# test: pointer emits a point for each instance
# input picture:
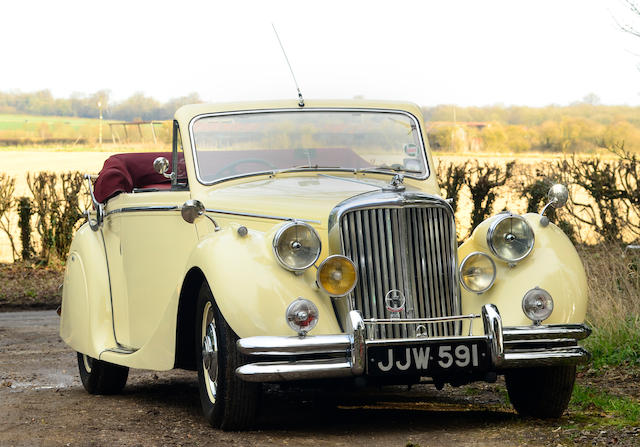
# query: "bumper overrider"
(351, 354)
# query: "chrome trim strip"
(299, 370)
(279, 346)
(431, 320)
(306, 109)
(136, 209)
(546, 357)
(422, 341)
(260, 216)
(544, 332)
(113, 316)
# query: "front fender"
(553, 265)
(85, 320)
(251, 289)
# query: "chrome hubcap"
(209, 352)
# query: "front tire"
(542, 392)
(99, 377)
(227, 401)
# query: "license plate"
(428, 358)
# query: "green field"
(20, 131)
(31, 122)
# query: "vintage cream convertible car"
(282, 241)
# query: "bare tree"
(631, 26)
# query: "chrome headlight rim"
(278, 235)
(492, 230)
(328, 259)
(463, 263)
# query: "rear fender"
(85, 321)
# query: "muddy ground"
(42, 402)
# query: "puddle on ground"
(48, 382)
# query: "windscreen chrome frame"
(425, 176)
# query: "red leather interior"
(124, 172)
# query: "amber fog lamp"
(510, 238)
(537, 305)
(296, 246)
(302, 316)
(337, 275)
(477, 272)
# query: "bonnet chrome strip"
(260, 216)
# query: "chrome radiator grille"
(411, 250)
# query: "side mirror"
(558, 195)
(191, 209)
(161, 166)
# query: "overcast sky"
(529, 52)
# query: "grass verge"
(596, 405)
(25, 286)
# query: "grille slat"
(408, 249)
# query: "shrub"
(24, 223)
(7, 187)
(482, 181)
(57, 210)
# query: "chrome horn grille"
(409, 252)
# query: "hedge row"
(604, 203)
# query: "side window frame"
(176, 146)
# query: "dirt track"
(43, 403)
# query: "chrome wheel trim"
(86, 360)
(209, 352)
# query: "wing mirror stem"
(557, 197)
(161, 166)
(192, 209)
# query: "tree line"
(137, 106)
(585, 126)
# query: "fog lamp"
(302, 316)
(477, 272)
(537, 305)
(337, 275)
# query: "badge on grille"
(394, 300)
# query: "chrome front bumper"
(344, 355)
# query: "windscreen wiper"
(385, 170)
(305, 167)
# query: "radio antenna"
(300, 98)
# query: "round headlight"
(296, 246)
(477, 272)
(510, 238)
(337, 275)
(302, 315)
(537, 304)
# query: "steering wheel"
(231, 167)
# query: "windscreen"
(242, 144)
